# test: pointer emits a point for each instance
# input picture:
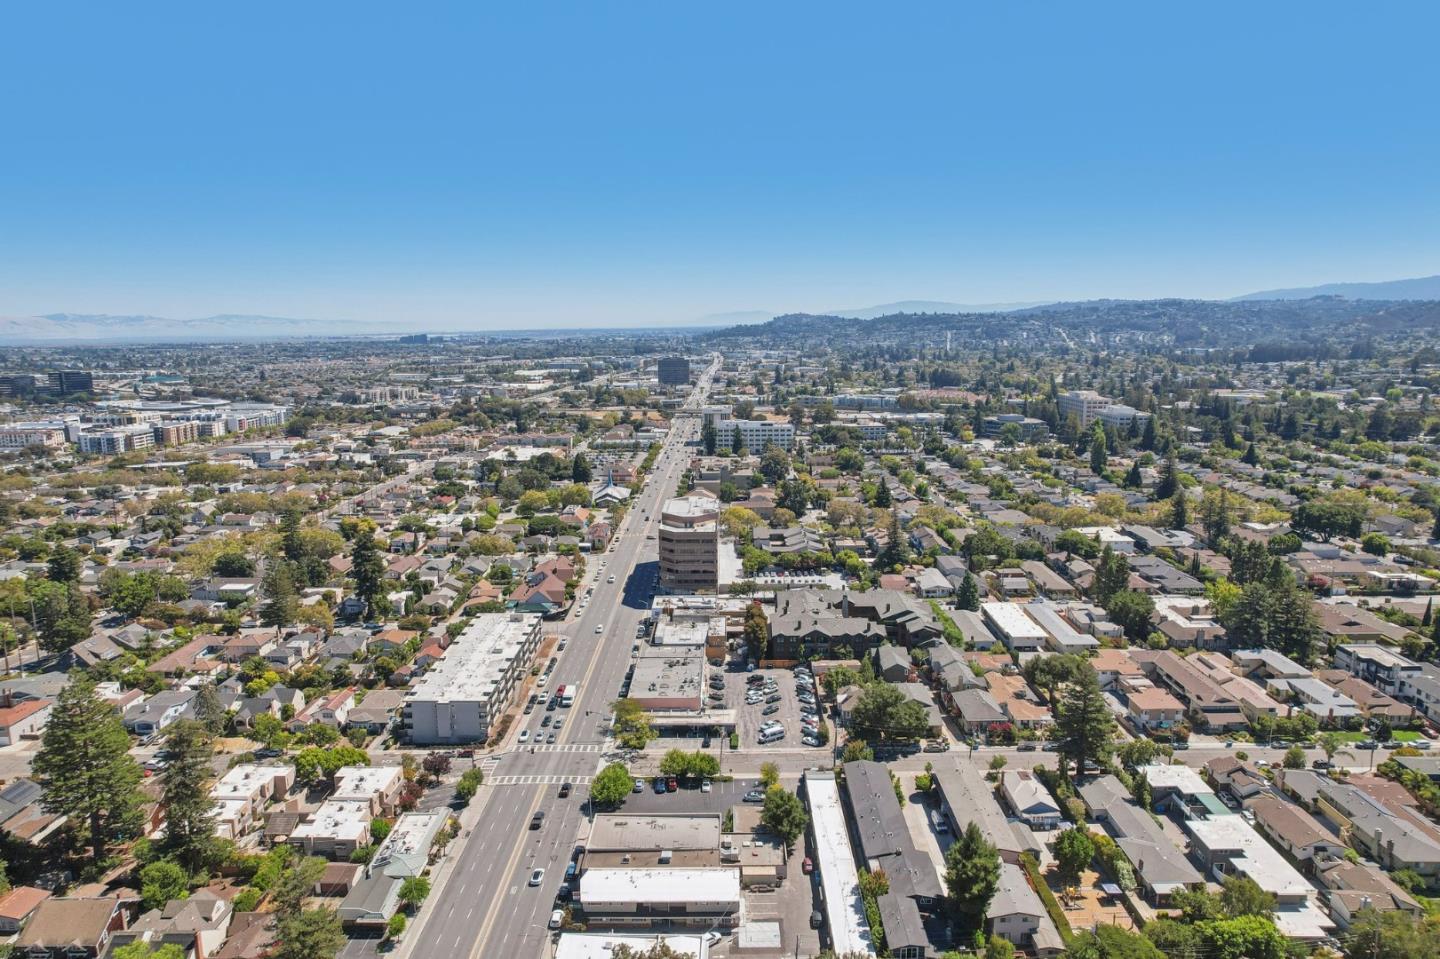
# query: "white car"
(537, 877)
(524, 736)
(599, 630)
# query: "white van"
(771, 735)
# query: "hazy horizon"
(652, 165)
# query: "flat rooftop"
(476, 662)
(619, 832)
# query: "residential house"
(64, 928)
(1029, 800)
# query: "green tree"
(1242, 896)
(1333, 744)
(1392, 934)
(1274, 614)
(1106, 941)
(784, 814)
(1112, 575)
(282, 600)
(61, 614)
(757, 632)
(396, 926)
(611, 786)
(972, 872)
(631, 725)
(208, 710)
(309, 934)
(162, 881)
(995, 947)
(1179, 510)
(769, 775)
(1294, 758)
(296, 883)
(968, 595)
(883, 712)
(468, 784)
(189, 810)
(1073, 851)
(1244, 937)
(1132, 612)
(64, 565)
(414, 890)
(1099, 457)
(1083, 721)
(580, 471)
(85, 766)
(367, 568)
(1049, 673)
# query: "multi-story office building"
(1031, 429)
(689, 541)
(1084, 405)
(63, 382)
(755, 435)
(474, 682)
(673, 371)
(1120, 416)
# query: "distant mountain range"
(1421, 288)
(931, 306)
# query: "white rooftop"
(577, 945)
(652, 886)
(1180, 777)
(835, 862)
(1258, 859)
(475, 663)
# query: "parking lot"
(752, 717)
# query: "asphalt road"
(484, 905)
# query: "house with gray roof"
(884, 842)
(1160, 866)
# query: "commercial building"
(673, 371)
(669, 679)
(471, 686)
(1031, 429)
(65, 382)
(689, 542)
(175, 432)
(701, 898)
(839, 882)
(755, 435)
(1084, 405)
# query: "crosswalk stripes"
(565, 748)
(539, 780)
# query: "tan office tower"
(689, 542)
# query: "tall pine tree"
(189, 809)
(367, 567)
(85, 766)
(1083, 720)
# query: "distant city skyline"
(651, 164)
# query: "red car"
(671, 785)
(806, 866)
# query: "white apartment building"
(1120, 416)
(121, 439)
(475, 681)
(754, 434)
(14, 436)
(241, 794)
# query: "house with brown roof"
(1294, 830)
(71, 928)
(18, 905)
(1152, 708)
(199, 656)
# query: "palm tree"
(1330, 744)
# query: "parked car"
(658, 785)
(671, 784)
(705, 785)
(754, 795)
(557, 918)
(806, 866)
(524, 736)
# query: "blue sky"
(511, 165)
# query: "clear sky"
(521, 164)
